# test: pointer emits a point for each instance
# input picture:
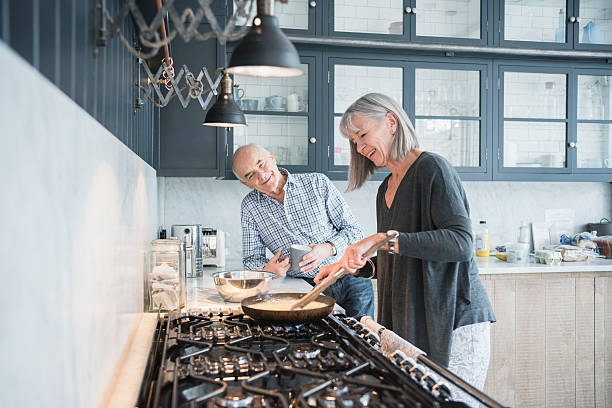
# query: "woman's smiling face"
(374, 137)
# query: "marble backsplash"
(504, 205)
(79, 210)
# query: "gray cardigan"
(432, 287)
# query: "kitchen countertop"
(201, 292)
(494, 266)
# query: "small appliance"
(213, 247)
(191, 252)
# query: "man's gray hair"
(376, 105)
(243, 149)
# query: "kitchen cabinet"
(280, 115)
(553, 123)
(415, 20)
(183, 146)
(550, 346)
(445, 101)
(556, 24)
(294, 17)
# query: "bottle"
(482, 240)
(524, 232)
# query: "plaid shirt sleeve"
(348, 229)
(253, 249)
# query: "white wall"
(216, 203)
(78, 211)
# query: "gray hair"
(243, 149)
(375, 105)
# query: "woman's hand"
(278, 266)
(352, 260)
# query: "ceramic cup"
(296, 252)
(250, 104)
(275, 102)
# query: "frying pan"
(286, 316)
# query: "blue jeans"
(354, 295)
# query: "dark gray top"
(432, 287)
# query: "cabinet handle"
(572, 144)
(312, 4)
(408, 10)
(414, 10)
(313, 140)
(577, 19)
(572, 19)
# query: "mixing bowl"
(233, 286)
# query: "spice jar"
(166, 284)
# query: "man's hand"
(311, 260)
(277, 265)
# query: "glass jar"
(166, 283)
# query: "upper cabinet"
(446, 102)
(296, 16)
(450, 113)
(554, 124)
(280, 115)
(556, 24)
(454, 21)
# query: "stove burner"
(306, 352)
(234, 398)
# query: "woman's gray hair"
(375, 105)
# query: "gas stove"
(223, 358)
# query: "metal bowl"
(233, 286)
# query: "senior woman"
(429, 291)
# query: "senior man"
(285, 209)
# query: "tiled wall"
(504, 205)
(370, 16)
(79, 209)
(285, 136)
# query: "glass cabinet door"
(534, 125)
(279, 116)
(425, 20)
(384, 17)
(594, 122)
(536, 21)
(295, 15)
(350, 82)
(448, 117)
(594, 21)
(452, 19)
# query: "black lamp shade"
(225, 113)
(265, 51)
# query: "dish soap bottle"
(482, 240)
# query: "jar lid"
(169, 244)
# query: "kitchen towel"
(389, 341)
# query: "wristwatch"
(334, 250)
(392, 242)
